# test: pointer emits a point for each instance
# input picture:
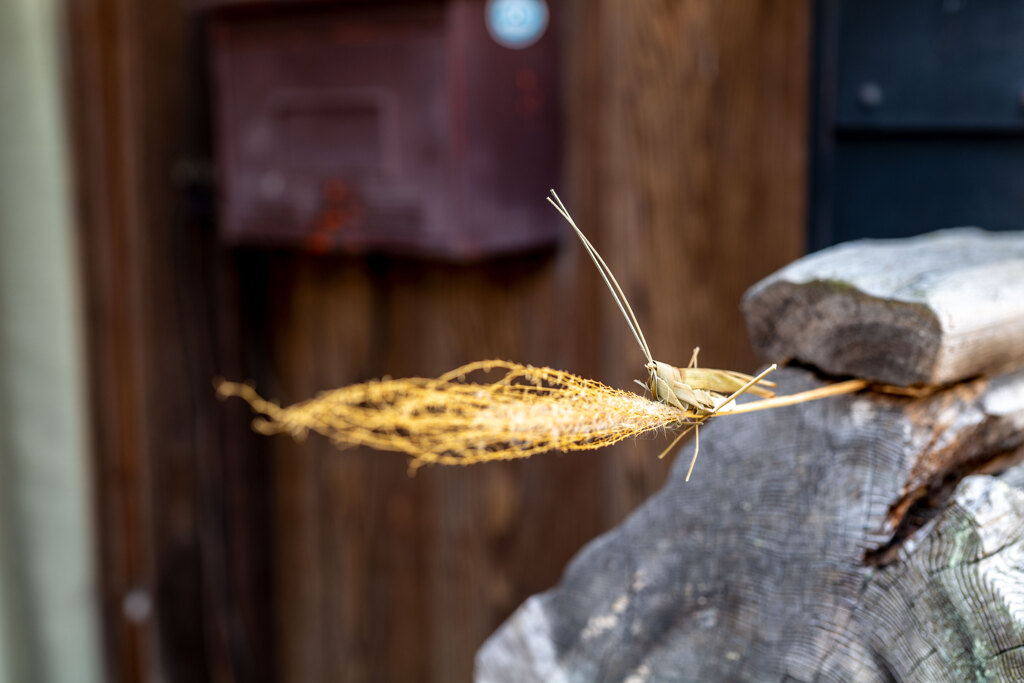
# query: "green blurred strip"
(48, 598)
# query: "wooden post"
(867, 537)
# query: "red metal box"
(388, 127)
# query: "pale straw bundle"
(452, 421)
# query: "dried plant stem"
(850, 386)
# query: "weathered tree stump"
(861, 538)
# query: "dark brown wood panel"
(383, 576)
(180, 482)
(267, 559)
(687, 157)
(104, 179)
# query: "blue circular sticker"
(516, 23)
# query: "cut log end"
(844, 332)
(927, 310)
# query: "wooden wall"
(687, 165)
(267, 559)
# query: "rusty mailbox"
(409, 128)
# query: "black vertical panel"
(919, 117)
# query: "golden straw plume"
(452, 421)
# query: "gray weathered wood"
(929, 310)
(950, 608)
(849, 539)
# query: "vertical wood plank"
(179, 501)
(687, 158)
(371, 561)
(104, 175)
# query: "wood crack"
(953, 435)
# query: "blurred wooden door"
(230, 557)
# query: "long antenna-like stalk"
(752, 382)
(609, 278)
